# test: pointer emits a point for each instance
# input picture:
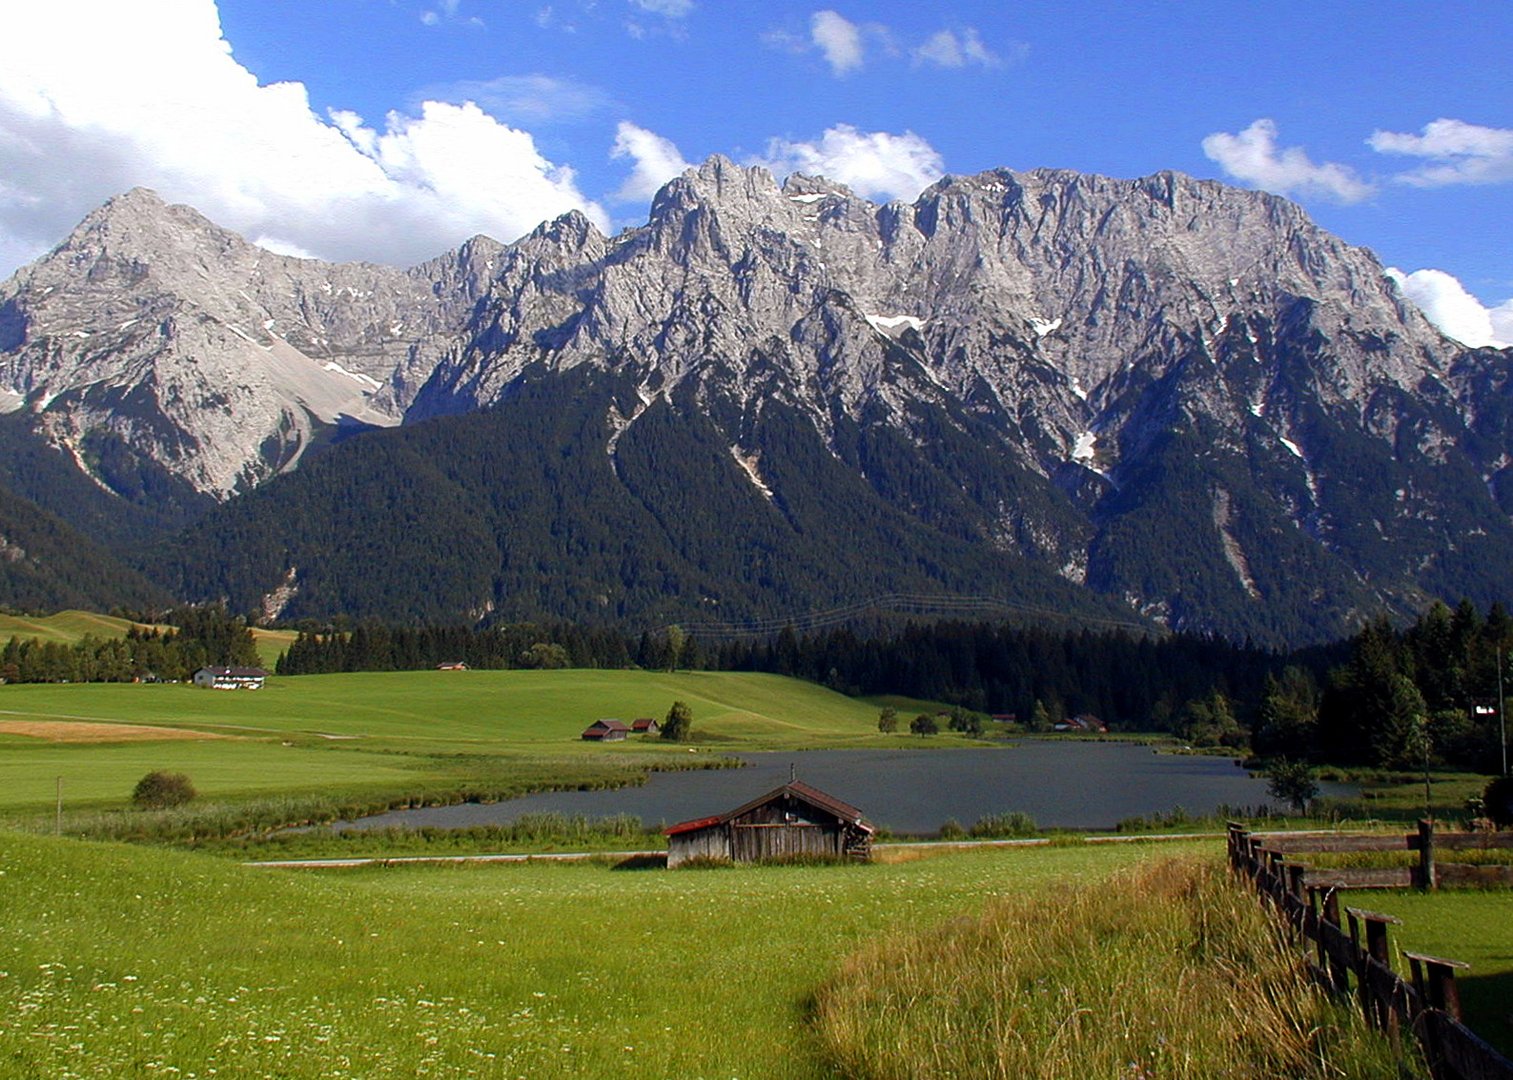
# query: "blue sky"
(393, 129)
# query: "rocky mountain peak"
(1058, 331)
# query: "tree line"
(1400, 699)
(198, 637)
(1388, 697)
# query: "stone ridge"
(1078, 325)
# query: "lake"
(1065, 783)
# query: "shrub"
(1498, 800)
(1292, 781)
(160, 790)
(1015, 823)
(679, 722)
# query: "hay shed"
(792, 821)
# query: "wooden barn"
(793, 820)
(606, 731)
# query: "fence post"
(1438, 990)
(1377, 1009)
(1426, 874)
(1295, 872)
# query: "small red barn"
(606, 731)
(646, 726)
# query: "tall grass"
(1167, 970)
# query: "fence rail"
(1431, 872)
(1358, 961)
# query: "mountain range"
(1165, 402)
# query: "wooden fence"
(1431, 872)
(1357, 962)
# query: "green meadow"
(64, 627)
(375, 739)
(118, 960)
(1473, 926)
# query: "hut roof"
(799, 790)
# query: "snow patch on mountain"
(894, 325)
(366, 381)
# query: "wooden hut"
(606, 731)
(793, 820)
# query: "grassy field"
(405, 735)
(126, 961)
(68, 627)
(1473, 926)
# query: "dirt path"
(579, 856)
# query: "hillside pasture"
(372, 737)
(478, 708)
(70, 627)
(66, 627)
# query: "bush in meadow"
(160, 790)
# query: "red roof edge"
(690, 826)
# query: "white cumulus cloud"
(97, 96)
(838, 39)
(1455, 153)
(656, 161)
(1446, 303)
(875, 164)
(1252, 156)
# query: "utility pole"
(1502, 723)
(1423, 734)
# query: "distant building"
(793, 820)
(606, 731)
(1086, 723)
(646, 726)
(230, 678)
(451, 665)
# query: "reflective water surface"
(1090, 785)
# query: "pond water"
(1090, 785)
